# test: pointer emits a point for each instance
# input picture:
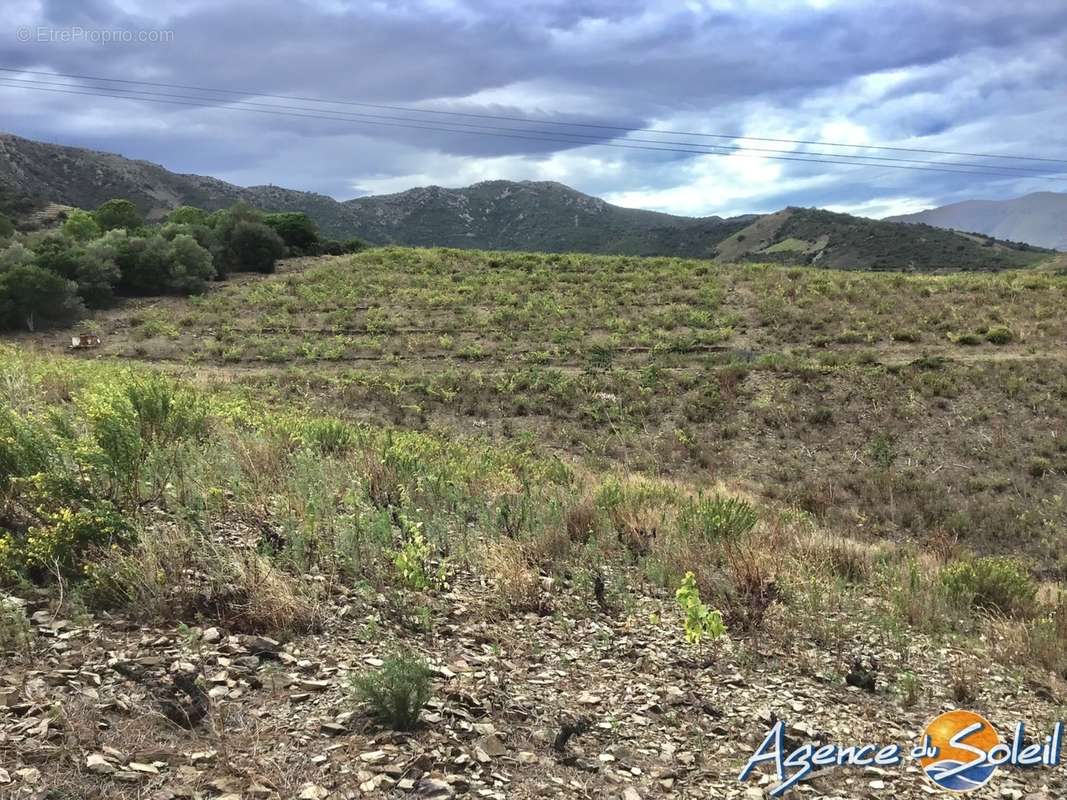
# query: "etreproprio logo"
(960, 751)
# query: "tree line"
(51, 277)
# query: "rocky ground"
(99, 707)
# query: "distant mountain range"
(1038, 219)
(508, 215)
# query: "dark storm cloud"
(721, 68)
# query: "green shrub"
(7, 227)
(1039, 467)
(25, 447)
(67, 533)
(992, 583)
(155, 265)
(15, 630)
(141, 420)
(80, 226)
(329, 436)
(999, 334)
(395, 692)
(717, 519)
(188, 215)
(969, 339)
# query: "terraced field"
(785, 380)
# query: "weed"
(910, 687)
(698, 620)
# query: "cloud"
(976, 77)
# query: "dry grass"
(176, 573)
(516, 584)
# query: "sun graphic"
(940, 768)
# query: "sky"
(978, 76)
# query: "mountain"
(504, 215)
(86, 178)
(533, 215)
(823, 238)
(1039, 218)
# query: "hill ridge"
(499, 214)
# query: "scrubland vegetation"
(739, 462)
(140, 492)
(52, 277)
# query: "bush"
(15, 630)
(396, 692)
(7, 227)
(25, 447)
(329, 436)
(118, 214)
(15, 255)
(992, 583)
(698, 620)
(717, 519)
(191, 266)
(999, 334)
(66, 534)
(333, 247)
(139, 423)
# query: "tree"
(118, 214)
(191, 265)
(296, 229)
(223, 224)
(188, 215)
(143, 264)
(254, 247)
(14, 255)
(29, 294)
(96, 272)
(7, 227)
(204, 235)
(154, 265)
(55, 252)
(81, 226)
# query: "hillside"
(612, 517)
(826, 239)
(1038, 219)
(86, 178)
(507, 215)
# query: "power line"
(203, 103)
(593, 139)
(527, 120)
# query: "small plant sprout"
(699, 621)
